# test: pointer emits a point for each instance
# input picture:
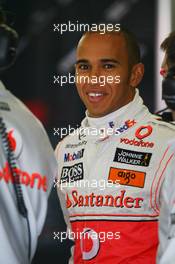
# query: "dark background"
(44, 53)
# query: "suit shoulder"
(157, 121)
(164, 131)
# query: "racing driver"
(120, 142)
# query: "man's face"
(105, 56)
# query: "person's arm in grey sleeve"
(166, 251)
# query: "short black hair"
(133, 47)
(168, 45)
(134, 55)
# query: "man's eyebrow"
(105, 60)
(110, 60)
(81, 61)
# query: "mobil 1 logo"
(131, 157)
(72, 173)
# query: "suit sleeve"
(166, 252)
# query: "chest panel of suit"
(116, 176)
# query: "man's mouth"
(95, 97)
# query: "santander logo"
(120, 200)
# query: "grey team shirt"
(36, 166)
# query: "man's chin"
(96, 114)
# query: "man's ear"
(137, 73)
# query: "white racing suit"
(117, 221)
(36, 165)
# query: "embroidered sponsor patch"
(72, 173)
(73, 156)
(135, 158)
(143, 132)
(127, 177)
(137, 143)
(79, 144)
(120, 199)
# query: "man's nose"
(95, 71)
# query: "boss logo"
(72, 173)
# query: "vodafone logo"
(15, 141)
(90, 246)
(32, 180)
(143, 132)
(137, 143)
(11, 140)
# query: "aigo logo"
(127, 177)
(143, 132)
